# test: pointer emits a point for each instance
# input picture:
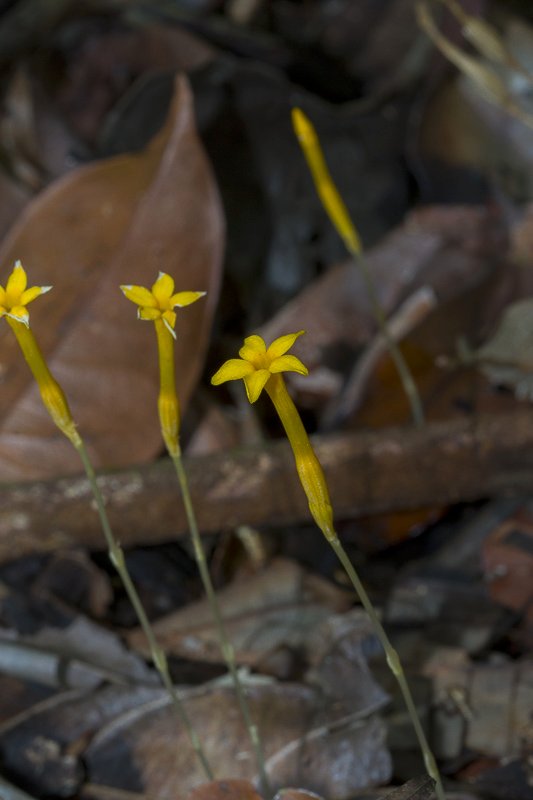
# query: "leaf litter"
(318, 684)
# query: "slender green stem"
(228, 652)
(408, 382)
(393, 660)
(159, 659)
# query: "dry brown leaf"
(307, 741)
(268, 617)
(117, 221)
(448, 249)
(129, 738)
(105, 66)
(13, 198)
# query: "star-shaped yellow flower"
(15, 297)
(257, 363)
(160, 302)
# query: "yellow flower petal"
(17, 281)
(232, 370)
(170, 318)
(288, 364)
(2, 296)
(254, 347)
(169, 327)
(148, 313)
(255, 382)
(182, 299)
(283, 343)
(20, 313)
(30, 294)
(140, 295)
(163, 288)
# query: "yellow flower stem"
(315, 487)
(228, 652)
(170, 423)
(167, 404)
(52, 394)
(307, 464)
(338, 213)
(56, 404)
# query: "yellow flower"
(15, 297)
(257, 363)
(160, 302)
(158, 306)
(261, 368)
(13, 301)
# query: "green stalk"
(408, 382)
(169, 418)
(116, 556)
(315, 487)
(226, 647)
(393, 660)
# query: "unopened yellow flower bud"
(308, 466)
(325, 187)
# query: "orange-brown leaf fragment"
(232, 789)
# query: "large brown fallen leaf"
(117, 221)
(307, 742)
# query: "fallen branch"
(387, 470)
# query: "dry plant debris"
(133, 137)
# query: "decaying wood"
(460, 460)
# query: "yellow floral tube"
(52, 394)
(14, 299)
(167, 403)
(308, 466)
